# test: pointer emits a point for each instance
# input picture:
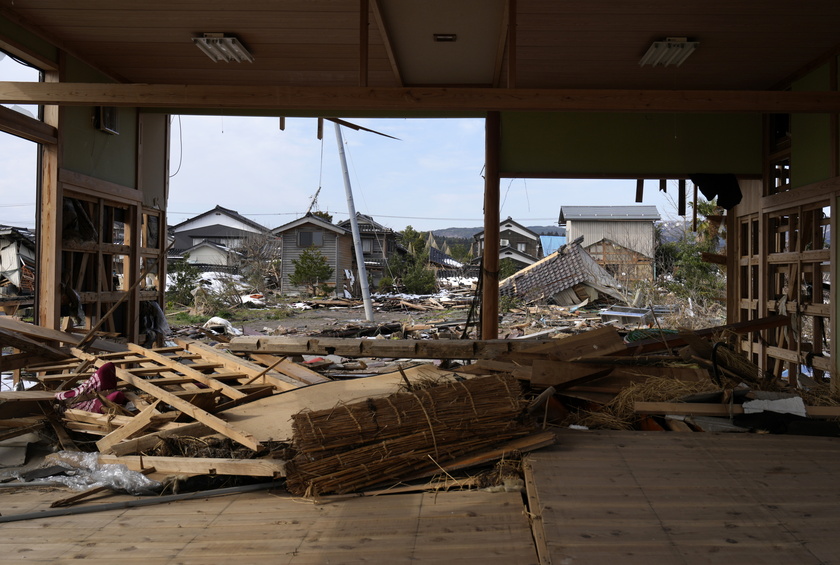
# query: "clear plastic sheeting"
(85, 472)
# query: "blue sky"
(429, 179)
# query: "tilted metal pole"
(354, 225)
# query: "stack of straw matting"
(386, 440)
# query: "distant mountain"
(468, 233)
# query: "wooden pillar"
(490, 273)
(48, 222)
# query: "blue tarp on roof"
(551, 243)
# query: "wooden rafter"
(434, 99)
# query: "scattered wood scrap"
(252, 408)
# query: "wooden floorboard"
(658, 497)
(274, 527)
(596, 497)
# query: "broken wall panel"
(783, 264)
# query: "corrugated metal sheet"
(608, 212)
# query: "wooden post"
(490, 272)
(681, 198)
(640, 189)
(48, 299)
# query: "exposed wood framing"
(48, 214)
(17, 124)
(319, 100)
(386, 40)
(490, 261)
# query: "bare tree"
(260, 261)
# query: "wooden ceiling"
(569, 44)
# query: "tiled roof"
(545, 278)
(438, 257)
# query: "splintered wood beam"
(335, 101)
(178, 403)
(142, 443)
(137, 424)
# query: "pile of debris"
(254, 408)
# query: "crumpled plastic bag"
(84, 471)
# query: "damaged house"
(567, 277)
(622, 239)
(17, 267)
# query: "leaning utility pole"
(354, 225)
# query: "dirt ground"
(332, 318)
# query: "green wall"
(810, 148)
(92, 152)
(629, 145)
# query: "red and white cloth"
(84, 396)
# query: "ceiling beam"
(323, 100)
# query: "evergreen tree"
(311, 269)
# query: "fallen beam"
(388, 348)
(201, 465)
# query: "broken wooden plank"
(719, 410)
(17, 340)
(234, 363)
(46, 334)
(145, 442)
(15, 361)
(671, 341)
(174, 365)
(200, 465)
(294, 370)
(185, 407)
(563, 374)
(136, 425)
(593, 343)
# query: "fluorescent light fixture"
(673, 51)
(220, 47)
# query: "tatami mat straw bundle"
(352, 447)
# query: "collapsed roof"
(556, 276)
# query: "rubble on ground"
(342, 412)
